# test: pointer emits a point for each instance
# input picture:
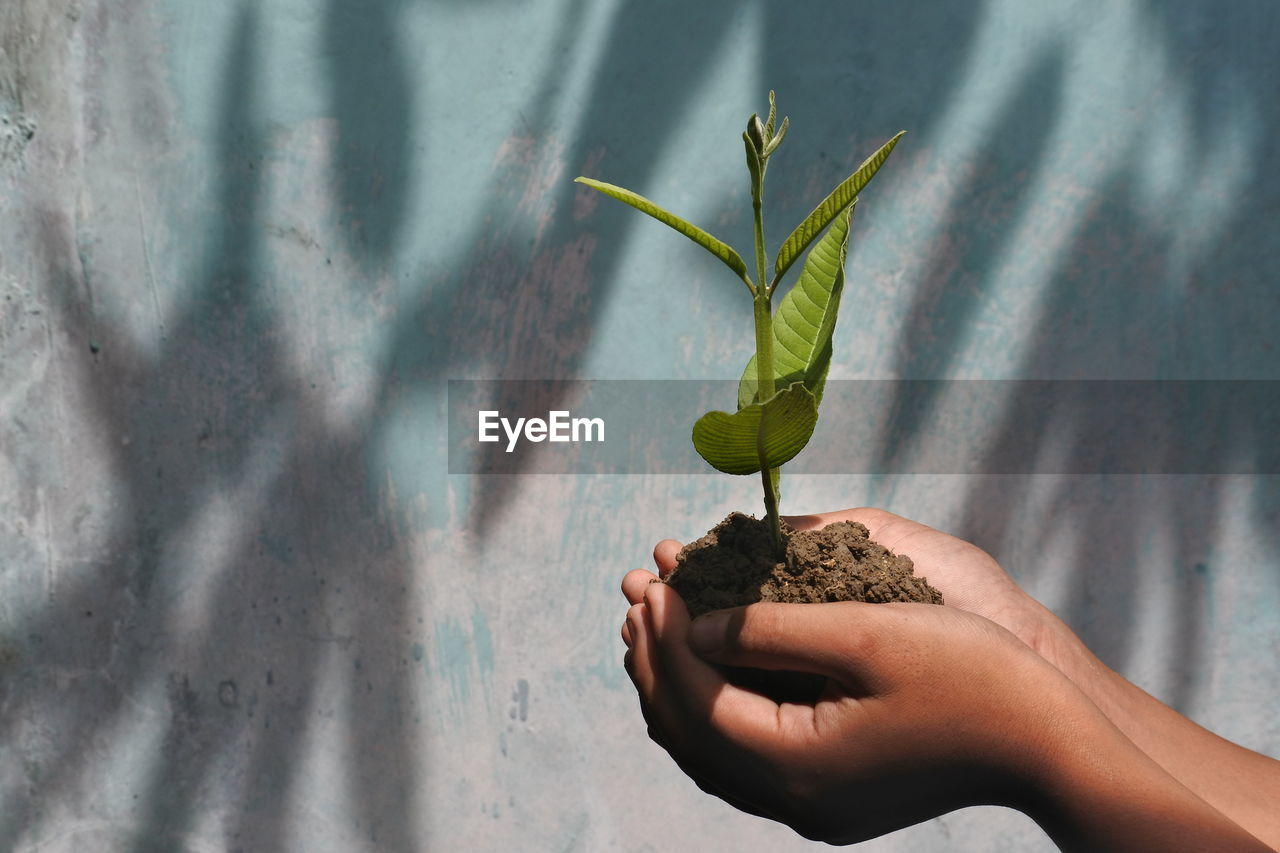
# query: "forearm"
(1241, 784)
(1099, 792)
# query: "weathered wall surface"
(243, 605)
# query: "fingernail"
(706, 634)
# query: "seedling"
(781, 387)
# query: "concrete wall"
(244, 606)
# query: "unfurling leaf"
(755, 133)
(777, 140)
(753, 164)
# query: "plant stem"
(764, 364)
(765, 390)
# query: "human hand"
(926, 709)
(1146, 772)
(968, 577)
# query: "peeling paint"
(16, 132)
(520, 701)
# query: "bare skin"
(990, 699)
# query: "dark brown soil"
(734, 565)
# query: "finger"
(626, 633)
(654, 729)
(844, 641)
(640, 662)
(722, 736)
(651, 723)
(869, 517)
(634, 583)
(639, 659)
(697, 693)
(664, 556)
(741, 804)
(698, 774)
(883, 526)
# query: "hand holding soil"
(926, 708)
(968, 577)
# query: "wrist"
(1056, 643)
(1124, 706)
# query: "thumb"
(846, 641)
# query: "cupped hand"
(968, 577)
(926, 709)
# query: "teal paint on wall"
(455, 663)
(284, 225)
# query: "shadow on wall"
(526, 299)
(307, 616)
(1126, 298)
(369, 81)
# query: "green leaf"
(806, 318)
(822, 215)
(755, 133)
(753, 164)
(757, 436)
(777, 140)
(693, 232)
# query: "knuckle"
(863, 644)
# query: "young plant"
(781, 388)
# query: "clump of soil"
(734, 564)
